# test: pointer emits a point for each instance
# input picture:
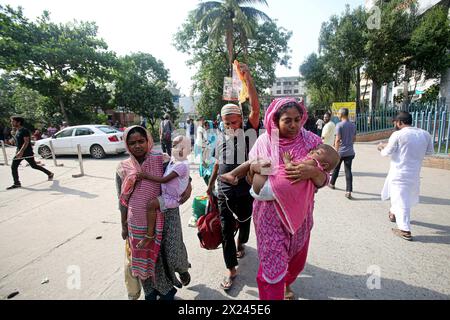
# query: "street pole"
(53, 156)
(80, 160)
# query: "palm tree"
(227, 17)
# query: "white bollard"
(80, 160)
(4, 153)
(53, 156)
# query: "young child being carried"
(324, 156)
(173, 184)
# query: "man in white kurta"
(329, 130)
(407, 148)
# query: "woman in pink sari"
(283, 226)
(156, 264)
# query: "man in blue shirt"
(345, 138)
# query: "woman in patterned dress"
(282, 248)
(156, 264)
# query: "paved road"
(49, 230)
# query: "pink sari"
(283, 226)
(136, 195)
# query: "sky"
(149, 25)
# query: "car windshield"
(107, 129)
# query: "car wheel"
(97, 152)
(45, 152)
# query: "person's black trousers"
(242, 207)
(166, 147)
(348, 172)
(33, 164)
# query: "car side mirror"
(53, 136)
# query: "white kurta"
(407, 148)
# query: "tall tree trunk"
(364, 95)
(374, 95)
(415, 85)
(63, 110)
(229, 40)
(386, 96)
(358, 90)
(406, 89)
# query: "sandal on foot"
(240, 254)
(289, 296)
(14, 186)
(185, 278)
(392, 217)
(51, 176)
(227, 282)
(405, 235)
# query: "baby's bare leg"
(151, 217)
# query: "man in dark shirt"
(232, 150)
(24, 152)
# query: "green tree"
(387, 47)
(267, 48)
(16, 99)
(141, 87)
(231, 20)
(60, 61)
(430, 44)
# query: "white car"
(96, 140)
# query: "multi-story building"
(288, 87)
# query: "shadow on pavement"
(442, 235)
(321, 284)
(247, 271)
(64, 191)
(434, 201)
(370, 174)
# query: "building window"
(287, 91)
(296, 83)
(295, 91)
(278, 84)
(278, 91)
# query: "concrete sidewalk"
(50, 230)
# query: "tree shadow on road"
(247, 271)
(369, 174)
(442, 235)
(377, 196)
(435, 201)
(64, 191)
(320, 284)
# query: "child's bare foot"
(229, 178)
(289, 294)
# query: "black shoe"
(14, 186)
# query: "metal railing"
(434, 118)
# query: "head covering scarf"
(128, 169)
(270, 146)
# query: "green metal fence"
(434, 118)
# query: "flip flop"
(227, 282)
(240, 254)
(14, 186)
(392, 217)
(289, 296)
(185, 278)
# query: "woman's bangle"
(148, 237)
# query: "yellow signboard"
(351, 106)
